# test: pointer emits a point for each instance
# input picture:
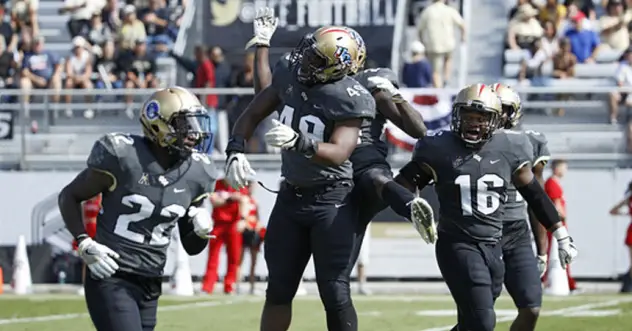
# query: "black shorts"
(474, 275)
(123, 302)
(251, 238)
(319, 221)
(522, 277)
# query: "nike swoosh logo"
(175, 190)
(339, 205)
(494, 161)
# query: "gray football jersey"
(372, 129)
(140, 211)
(472, 184)
(314, 111)
(516, 209)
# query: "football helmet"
(327, 54)
(361, 59)
(476, 113)
(174, 118)
(511, 104)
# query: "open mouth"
(192, 139)
(472, 134)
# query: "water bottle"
(61, 277)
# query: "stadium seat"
(596, 70)
(608, 55)
(511, 70)
(515, 55)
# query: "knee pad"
(335, 294)
(280, 294)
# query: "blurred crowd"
(114, 44)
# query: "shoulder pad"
(519, 149)
(107, 150)
(346, 99)
(425, 146)
(363, 77)
(283, 62)
(281, 75)
(209, 173)
(541, 151)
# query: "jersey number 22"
(487, 201)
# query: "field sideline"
(52, 312)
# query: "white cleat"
(423, 220)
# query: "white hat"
(128, 9)
(78, 41)
(416, 47)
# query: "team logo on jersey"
(163, 181)
(144, 179)
(457, 162)
(152, 110)
(342, 55)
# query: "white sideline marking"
(558, 312)
(58, 317)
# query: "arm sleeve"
(423, 154)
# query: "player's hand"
(238, 170)
(265, 24)
(566, 250)
(281, 136)
(385, 85)
(542, 264)
(99, 258)
(423, 220)
(202, 222)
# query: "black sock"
(398, 198)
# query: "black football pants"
(319, 221)
(123, 302)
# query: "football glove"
(238, 170)
(565, 247)
(281, 136)
(542, 264)
(202, 222)
(264, 26)
(386, 85)
(423, 220)
(100, 259)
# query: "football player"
(375, 188)
(522, 271)
(472, 167)
(318, 128)
(149, 184)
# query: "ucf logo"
(224, 12)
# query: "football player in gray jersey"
(522, 272)
(472, 167)
(318, 129)
(149, 184)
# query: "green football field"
(383, 313)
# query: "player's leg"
(473, 273)
(333, 239)
(233, 253)
(149, 291)
(522, 277)
(112, 304)
(214, 249)
(363, 261)
(286, 253)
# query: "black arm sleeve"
(192, 244)
(540, 204)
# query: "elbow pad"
(539, 202)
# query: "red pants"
(571, 281)
(225, 233)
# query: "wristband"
(81, 237)
(561, 233)
(306, 146)
(236, 144)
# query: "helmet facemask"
(187, 131)
(511, 116)
(474, 123)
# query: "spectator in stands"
(223, 73)
(436, 31)
(564, 68)
(24, 16)
(175, 17)
(140, 69)
(7, 31)
(572, 11)
(131, 30)
(110, 15)
(552, 11)
(80, 14)
(7, 65)
(623, 77)
(543, 52)
(417, 72)
(584, 43)
(40, 69)
(524, 30)
(205, 76)
(79, 72)
(614, 26)
(514, 10)
(156, 20)
(108, 69)
(99, 33)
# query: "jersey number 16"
(487, 201)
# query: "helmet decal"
(152, 110)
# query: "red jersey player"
(616, 210)
(253, 234)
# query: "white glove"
(423, 220)
(238, 170)
(565, 247)
(264, 26)
(202, 222)
(385, 85)
(281, 136)
(542, 264)
(99, 258)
